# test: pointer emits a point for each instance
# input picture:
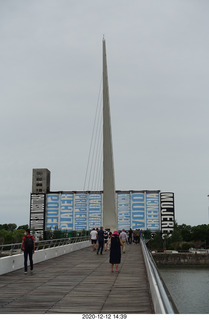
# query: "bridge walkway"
(79, 282)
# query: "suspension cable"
(93, 141)
(97, 150)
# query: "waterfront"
(189, 287)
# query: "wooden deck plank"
(79, 282)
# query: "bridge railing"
(161, 298)
(15, 248)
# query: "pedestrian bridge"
(81, 282)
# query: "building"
(83, 210)
(41, 181)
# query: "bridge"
(71, 278)
(81, 282)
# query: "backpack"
(28, 243)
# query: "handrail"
(14, 248)
(166, 303)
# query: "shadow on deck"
(79, 282)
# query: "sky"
(158, 69)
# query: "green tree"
(176, 234)
(23, 227)
(186, 232)
(157, 242)
(11, 226)
(6, 237)
(5, 226)
(18, 235)
(201, 233)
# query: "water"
(189, 288)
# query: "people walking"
(115, 251)
(106, 235)
(109, 240)
(93, 238)
(139, 235)
(28, 246)
(124, 238)
(130, 236)
(100, 241)
(97, 230)
(135, 236)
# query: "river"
(189, 288)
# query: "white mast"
(109, 211)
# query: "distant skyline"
(51, 68)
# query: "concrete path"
(79, 282)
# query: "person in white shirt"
(124, 238)
(93, 238)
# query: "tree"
(5, 226)
(6, 236)
(23, 227)
(186, 232)
(156, 242)
(18, 235)
(11, 226)
(201, 233)
(176, 234)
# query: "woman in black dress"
(115, 252)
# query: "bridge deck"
(79, 282)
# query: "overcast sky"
(50, 74)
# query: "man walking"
(124, 238)
(100, 240)
(130, 235)
(139, 235)
(28, 246)
(93, 238)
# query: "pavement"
(79, 282)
